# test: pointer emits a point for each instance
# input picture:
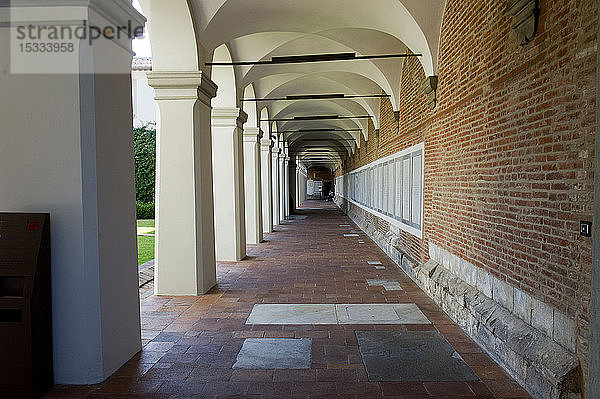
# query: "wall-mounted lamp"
(526, 18)
(429, 87)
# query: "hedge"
(144, 210)
(144, 139)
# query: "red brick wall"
(508, 150)
(319, 173)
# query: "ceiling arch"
(185, 33)
(415, 23)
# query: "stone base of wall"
(545, 368)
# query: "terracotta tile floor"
(191, 343)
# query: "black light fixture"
(318, 117)
(311, 58)
(316, 97)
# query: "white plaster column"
(252, 184)
(286, 168)
(66, 148)
(281, 163)
(185, 260)
(276, 185)
(266, 144)
(292, 187)
(228, 183)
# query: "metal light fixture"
(526, 18)
(311, 58)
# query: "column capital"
(266, 143)
(287, 159)
(228, 117)
(275, 151)
(182, 85)
(252, 134)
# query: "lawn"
(145, 243)
(145, 223)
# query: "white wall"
(66, 148)
(144, 106)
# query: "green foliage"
(144, 211)
(144, 139)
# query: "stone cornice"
(252, 134)
(266, 142)
(228, 117)
(182, 85)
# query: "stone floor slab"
(401, 313)
(400, 356)
(292, 314)
(351, 235)
(274, 353)
(374, 262)
(388, 285)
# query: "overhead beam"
(312, 58)
(317, 97)
(318, 117)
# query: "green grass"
(145, 249)
(145, 223)
(145, 243)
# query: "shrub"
(144, 210)
(144, 139)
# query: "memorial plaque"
(25, 306)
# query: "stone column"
(252, 182)
(286, 168)
(276, 185)
(292, 189)
(267, 183)
(281, 162)
(185, 252)
(66, 148)
(228, 183)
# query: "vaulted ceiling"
(257, 30)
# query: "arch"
(264, 122)
(415, 23)
(250, 108)
(225, 79)
(173, 36)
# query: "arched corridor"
(298, 144)
(192, 343)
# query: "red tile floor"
(191, 343)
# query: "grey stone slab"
(379, 267)
(401, 313)
(379, 282)
(292, 314)
(351, 235)
(388, 285)
(395, 286)
(374, 262)
(423, 356)
(345, 225)
(274, 353)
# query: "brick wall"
(509, 149)
(319, 173)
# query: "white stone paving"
(302, 314)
